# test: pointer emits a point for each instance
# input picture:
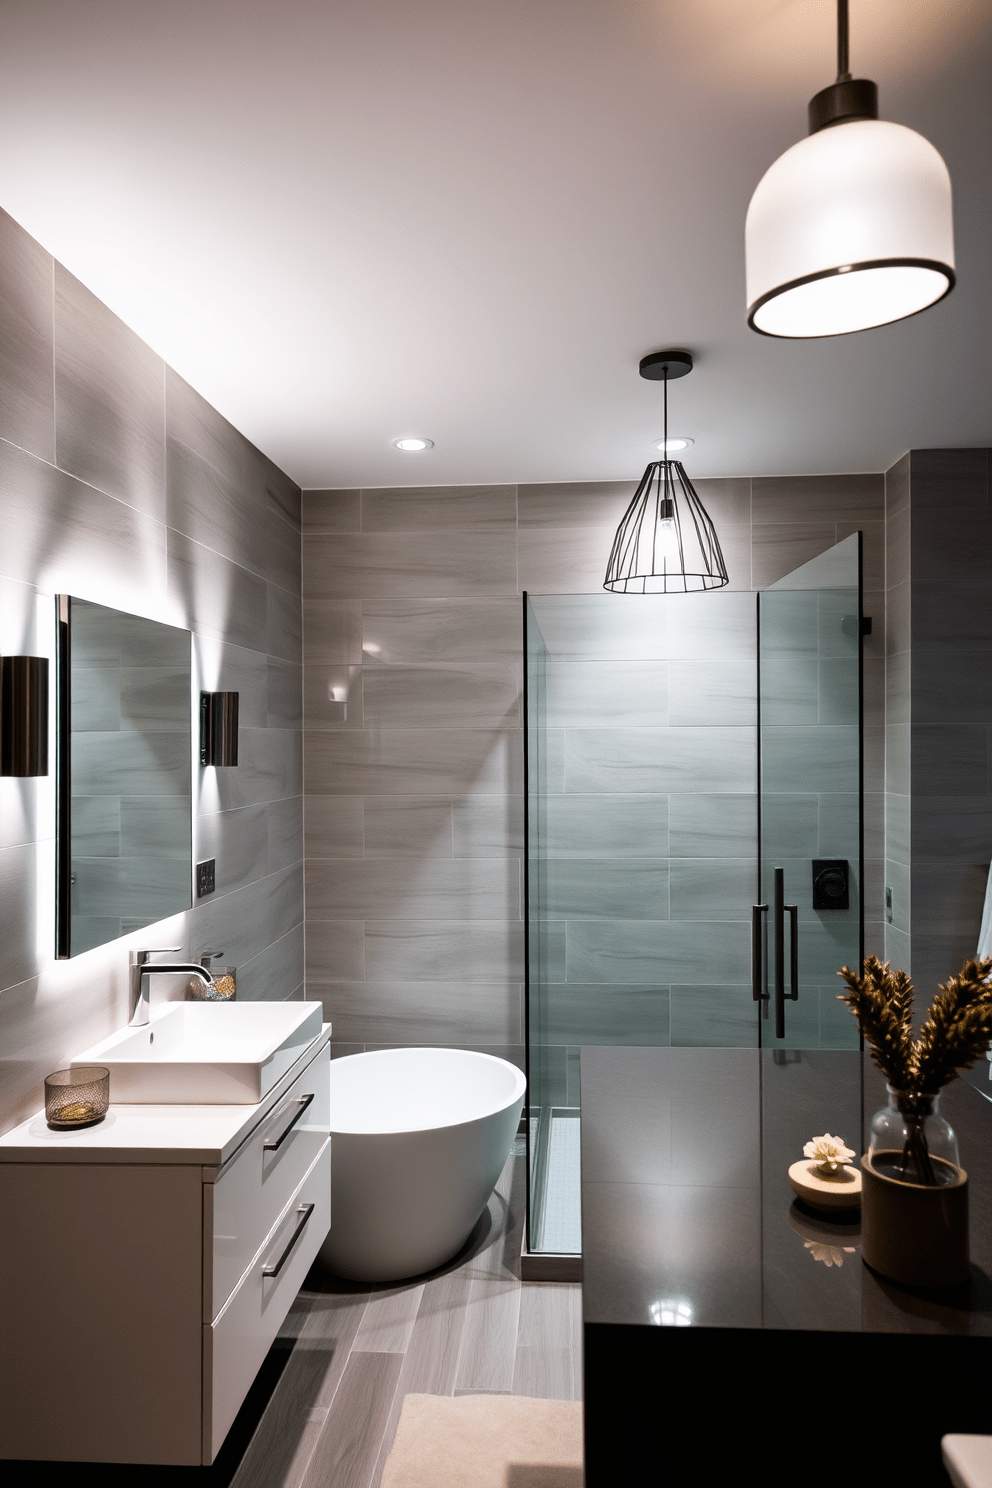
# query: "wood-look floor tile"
(329, 1333)
(347, 1448)
(280, 1451)
(432, 1357)
(544, 1373)
(543, 1363)
(577, 1340)
(489, 1341)
(388, 1321)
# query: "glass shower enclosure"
(693, 851)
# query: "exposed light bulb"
(667, 540)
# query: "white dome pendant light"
(852, 227)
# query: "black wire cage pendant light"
(666, 542)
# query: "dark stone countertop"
(687, 1214)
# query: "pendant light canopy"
(666, 542)
(852, 227)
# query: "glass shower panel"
(810, 741)
(641, 850)
(545, 1063)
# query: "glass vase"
(912, 1142)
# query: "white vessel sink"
(206, 1053)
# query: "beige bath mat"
(486, 1441)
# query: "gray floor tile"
(347, 1447)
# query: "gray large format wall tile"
(27, 413)
(109, 400)
(689, 761)
(410, 564)
(57, 532)
(85, 509)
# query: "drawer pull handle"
(303, 1102)
(304, 1211)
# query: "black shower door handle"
(779, 912)
(759, 961)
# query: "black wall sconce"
(23, 715)
(218, 728)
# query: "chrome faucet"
(141, 969)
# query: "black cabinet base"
(690, 1407)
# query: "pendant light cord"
(843, 59)
(666, 412)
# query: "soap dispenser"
(221, 989)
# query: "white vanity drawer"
(255, 1187)
(235, 1344)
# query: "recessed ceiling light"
(672, 444)
(413, 444)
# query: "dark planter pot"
(912, 1233)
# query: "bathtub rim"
(519, 1092)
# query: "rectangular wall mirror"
(124, 778)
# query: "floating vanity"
(149, 1261)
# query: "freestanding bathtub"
(419, 1138)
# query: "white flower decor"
(829, 1153)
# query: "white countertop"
(152, 1134)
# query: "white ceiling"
(349, 220)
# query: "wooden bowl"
(825, 1191)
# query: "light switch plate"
(205, 878)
